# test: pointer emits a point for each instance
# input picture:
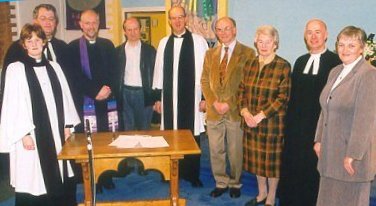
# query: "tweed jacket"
(347, 124)
(211, 87)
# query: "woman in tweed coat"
(345, 135)
(263, 97)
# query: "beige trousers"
(225, 138)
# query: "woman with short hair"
(264, 93)
(345, 136)
(37, 108)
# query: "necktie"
(49, 55)
(222, 67)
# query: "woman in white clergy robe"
(36, 113)
(345, 135)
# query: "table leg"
(174, 182)
(86, 179)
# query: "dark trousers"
(4, 166)
(189, 167)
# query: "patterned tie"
(222, 67)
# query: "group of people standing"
(306, 132)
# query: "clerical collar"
(314, 63)
(179, 35)
(91, 41)
(35, 62)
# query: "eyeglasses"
(177, 18)
(226, 29)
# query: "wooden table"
(165, 160)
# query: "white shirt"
(315, 59)
(132, 74)
(345, 71)
(231, 47)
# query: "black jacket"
(147, 61)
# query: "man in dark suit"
(136, 68)
(299, 177)
(55, 50)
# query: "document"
(139, 141)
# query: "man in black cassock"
(299, 181)
(92, 74)
(96, 83)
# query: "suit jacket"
(347, 124)
(211, 86)
(147, 62)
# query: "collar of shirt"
(231, 47)
(351, 65)
(315, 59)
(268, 59)
(136, 45)
(345, 71)
(179, 35)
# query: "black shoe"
(196, 183)
(234, 192)
(253, 202)
(218, 191)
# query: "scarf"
(186, 84)
(43, 131)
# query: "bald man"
(299, 176)
(93, 72)
(177, 72)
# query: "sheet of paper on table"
(139, 141)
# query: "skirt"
(335, 192)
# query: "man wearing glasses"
(222, 74)
(177, 74)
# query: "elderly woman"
(264, 93)
(37, 106)
(345, 136)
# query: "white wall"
(290, 17)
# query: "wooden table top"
(181, 142)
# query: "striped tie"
(222, 67)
